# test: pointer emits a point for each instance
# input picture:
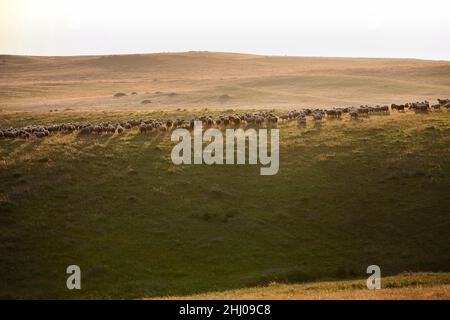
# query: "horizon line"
(217, 52)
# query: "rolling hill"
(214, 80)
(348, 194)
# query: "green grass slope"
(348, 194)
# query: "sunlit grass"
(348, 194)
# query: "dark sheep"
(120, 129)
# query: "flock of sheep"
(256, 118)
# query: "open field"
(417, 286)
(215, 80)
(348, 194)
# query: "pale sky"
(356, 28)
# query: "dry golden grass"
(196, 80)
(417, 286)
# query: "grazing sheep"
(211, 121)
(293, 114)
(120, 129)
(317, 116)
(133, 122)
(354, 114)
(308, 111)
(54, 128)
(272, 119)
(86, 130)
(8, 133)
(111, 129)
(68, 127)
(384, 109)
(24, 134)
(436, 107)
(420, 106)
(333, 113)
(96, 129)
(363, 110)
(444, 102)
(398, 107)
(301, 120)
(143, 128)
(236, 119)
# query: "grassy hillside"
(405, 286)
(348, 194)
(213, 80)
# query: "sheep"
(258, 118)
(436, 107)
(420, 106)
(301, 120)
(110, 128)
(444, 102)
(333, 113)
(143, 128)
(354, 114)
(54, 128)
(134, 122)
(120, 129)
(308, 111)
(86, 129)
(343, 110)
(39, 134)
(235, 119)
(68, 127)
(272, 119)
(293, 114)
(211, 121)
(317, 116)
(363, 110)
(398, 107)
(376, 109)
(24, 134)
